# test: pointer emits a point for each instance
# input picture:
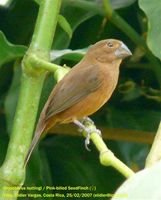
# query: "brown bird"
(84, 89)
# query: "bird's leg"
(80, 125)
(87, 130)
(87, 119)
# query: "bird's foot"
(88, 130)
(87, 119)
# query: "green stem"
(45, 26)
(22, 130)
(107, 8)
(12, 172)
(40, 64)
(107, 158)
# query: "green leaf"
(64, 24)
(9, 51)
(116, 4)
(153, 9)
(68, 54)
(143, 185)
(76, 14)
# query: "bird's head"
(109, 51)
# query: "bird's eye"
(109, 44)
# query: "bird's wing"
(75, 86)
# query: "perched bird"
(84, 89)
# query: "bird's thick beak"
(123, 51)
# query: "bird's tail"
(42, 126)
(35, 140)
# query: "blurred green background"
(135, 105)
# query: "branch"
(107, 158)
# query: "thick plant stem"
(12, 172)
(45, 26)
(22, 129)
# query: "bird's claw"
(89, 132)
(87, 142)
